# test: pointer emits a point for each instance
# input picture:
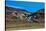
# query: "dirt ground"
(15, 26)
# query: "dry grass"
(24, 26)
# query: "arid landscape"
(22, 19)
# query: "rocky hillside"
(10, 10)
(14, 11)
(40, 15)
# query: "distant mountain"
(11, 16)
(41, 11)
(15, 9)
(10, 10)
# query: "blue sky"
(29, 6)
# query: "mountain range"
(10, 10)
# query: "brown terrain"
(18, 18)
